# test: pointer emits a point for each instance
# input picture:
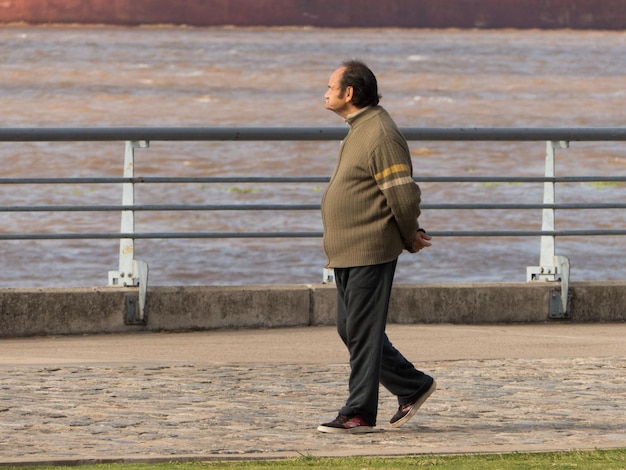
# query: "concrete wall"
(28, 312)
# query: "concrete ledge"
(471, 303)
(197, 308)
(30, 312)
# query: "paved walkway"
(262, 393)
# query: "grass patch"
(614, 459)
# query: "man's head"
(350, 88)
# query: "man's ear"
(349, 93)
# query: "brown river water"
(165, 76)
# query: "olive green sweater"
(371, 205)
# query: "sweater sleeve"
(393, 172)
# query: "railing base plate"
(134, 315)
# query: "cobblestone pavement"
(162, 410)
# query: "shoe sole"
(419, 402)
(356, 430)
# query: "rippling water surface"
(277, 77)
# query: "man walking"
(370, 211)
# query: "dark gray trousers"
(362, 304)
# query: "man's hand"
(421, 240)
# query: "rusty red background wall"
(547, 14)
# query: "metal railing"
(133, 272)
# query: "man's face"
(337, 100)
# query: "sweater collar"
(352, 117)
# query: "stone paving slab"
(199, 409)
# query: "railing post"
(551, 267)
(131, 272)
(328, 276)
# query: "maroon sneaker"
(347, 425)
(405, 412)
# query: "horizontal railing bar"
(164, 207)
(497, 206)
(84, 134)
(519, 179)
(167, 179)
(65, 134)
(191, 235)
(528, 233)
(156, 235)
(296, 207)
(310, 179)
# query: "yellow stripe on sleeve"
(399, 168)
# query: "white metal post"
(546, 257)
(551, 267)
(127, 245)
(131, 272)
